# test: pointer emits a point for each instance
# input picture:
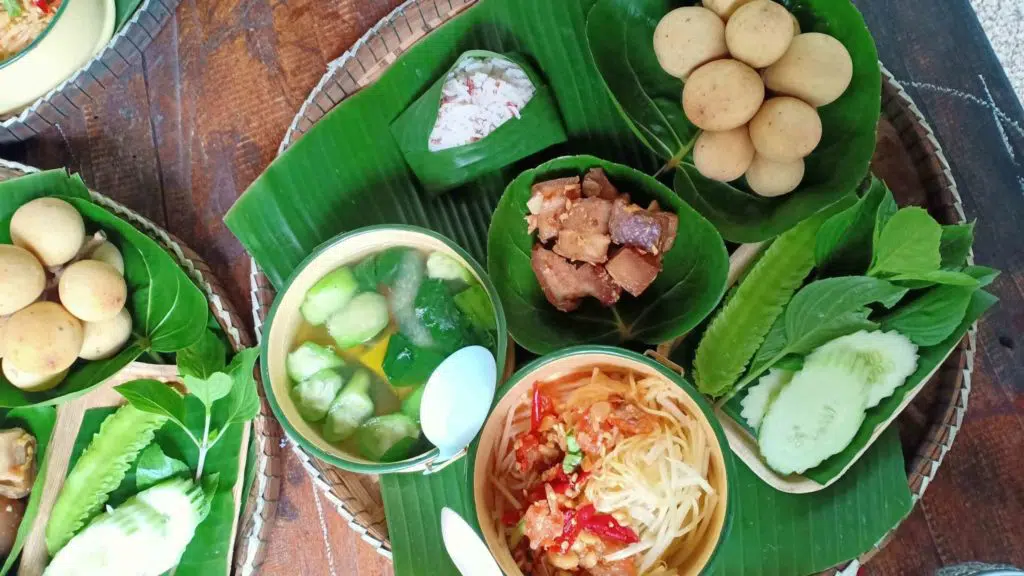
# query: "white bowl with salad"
(43, 42)
(356, 333)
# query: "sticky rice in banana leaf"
(486, 112)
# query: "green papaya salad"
(372, 334)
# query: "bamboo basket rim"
(116, 60)
(352, 495)
(259, 510)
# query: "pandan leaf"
(740, 327)
(99, 471)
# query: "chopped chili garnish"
(539, 407)
(42, 5)
(525, 447)
(606, 527)
(560, 484)
(511, 517)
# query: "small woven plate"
(908, 157)
(116, 61)
(260, 508)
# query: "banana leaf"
(348, 177)
(168, 311)
(38, 421)
(538, 127)
(620, 33)
(209, 552)
(689, 286)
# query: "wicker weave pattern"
(85, 86)
(261, 506)
(357, 497)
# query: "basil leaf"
(153, 466)
(211, 389)
(909, 243)
(203, 358)
(931, 317)
(844, 240)
(155, 398)
(243, 400)
(955, 244)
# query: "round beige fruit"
(101, 340)
(109, 254)
(722, 95)
(769, 178)
(785, 129)
(688, 37)
(22, 279)
(817, 69)
(31, 382)
(42, 339)
(92, 290)
(50, 228)
(724, 8)
(723, 156)
(759, 33)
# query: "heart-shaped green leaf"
(168, 311)
(620, 36)
(689, 287)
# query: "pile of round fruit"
(62, 296)
(728, 53)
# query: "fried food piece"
(633, 270)
(565, 284)
(596, 184)
(589, 215)
(548, 202)
(583, 247)
(17, 463)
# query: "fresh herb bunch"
(227, 392)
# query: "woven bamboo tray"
(260, 508)
(908, 157)
(116, 61)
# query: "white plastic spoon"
(457, 399)
(467, 551)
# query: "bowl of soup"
(597, 460)
(356, 333)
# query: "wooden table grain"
(180, 141)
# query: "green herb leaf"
(406, 364)
(571, 461)
(740, 327)
(153, 466)
(909, 244)
(689, 287)
(206, 356)
(155, 398)
(243, 400)
(983, 274)
(211, 389)
(886, 209)
(844, 241)
(571, 443)
(13, 8)
(955, 244)
(922, 279)
(476, 305)
(436, 310)
(931, 317)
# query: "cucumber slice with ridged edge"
(761, 395)
(352, 407)
(387, 438)
(330, 294)
(360, 320)
(817, 414)
(314, 395)
(310, 358)
(891, 356)
(99, 471)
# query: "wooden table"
(220, 84)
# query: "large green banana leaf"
(620, 34)
(343, 174)
(168, 311)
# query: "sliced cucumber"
(761, 395)
(443, 267)
(352, 407)
(310, 358)
(891, 357)
(364, 317)
(314, 395)
(330, 294)
(387, 438)
(816, 415)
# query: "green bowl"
(576, 359)
(285, 319)
(688, 288)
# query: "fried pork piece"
(589, 215)
(633, 270)
(565, 284)
(548, 202)
(596, 184)
(651, 231)
(669, 228)
(583, 247)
